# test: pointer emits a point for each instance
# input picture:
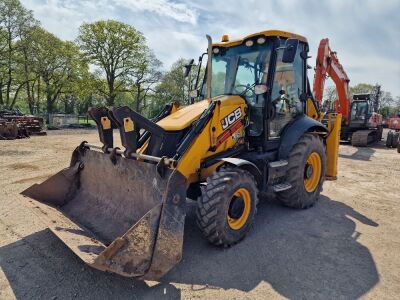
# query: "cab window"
(287, 87)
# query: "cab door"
(287, 87)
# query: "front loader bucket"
(116, 214)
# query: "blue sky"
(365, 33)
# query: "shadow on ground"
(364, 153)
(310, 253)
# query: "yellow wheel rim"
(238, 221)
(312, 172)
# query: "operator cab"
(360, 110)
(273, 87)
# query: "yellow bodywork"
(332, 145)
(312, 110)
(266, 33)
(333, 139)
(209, 142)
(106, 123)
(183, 117)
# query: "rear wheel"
(306, 173)
(395, 139)
(389, 139)
(227, 207)
(379, 133)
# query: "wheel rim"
(239, 209)
(312, 172)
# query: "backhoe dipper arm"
(328, 64)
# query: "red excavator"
(361, 122)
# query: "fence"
(62, 119)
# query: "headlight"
(215, 50)
(249, 43)
(261, 40)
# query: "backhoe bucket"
(117, 214)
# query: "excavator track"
(363, 138)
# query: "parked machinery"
(14, 124)
(361, 122)
(393, 136)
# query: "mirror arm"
(209, 65)
(199, 70)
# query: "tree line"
(109, 63)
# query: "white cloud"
(177, 11)
(364, 33)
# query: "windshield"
(359, 110)
(236, 70)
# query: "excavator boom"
(327, 64)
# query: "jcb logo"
(231, 118)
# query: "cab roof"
(267, 33)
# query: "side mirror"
(188, 67)
(290, 50)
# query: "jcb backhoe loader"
(254, 130)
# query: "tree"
(15, 20)
(330, 96)
(59, 64)
(114, 47)
(362, 88)
(145, 74)
(174, 85)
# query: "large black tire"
(398, 148)
(395, 139)
(304, 173)
(389, 139)
(379, 133)
(218, 208)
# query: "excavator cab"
(360, 110)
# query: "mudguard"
(295, 130)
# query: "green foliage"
(60, 66)
(173, 86)
(15, 22)
(143, 77)
(108, 64)
(113, 47)
(362, 88)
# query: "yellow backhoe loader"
(254, 129)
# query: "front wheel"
(227, 207)
(306, 172)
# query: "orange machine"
(328, 64)
(361, 122)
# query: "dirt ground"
(345, 247)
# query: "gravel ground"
(347, 246)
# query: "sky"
(364, 33)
